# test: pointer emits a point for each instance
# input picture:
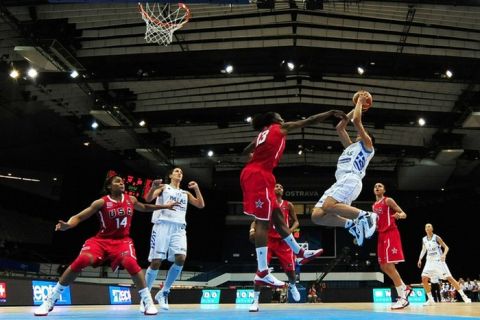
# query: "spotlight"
(142, 123)
(86, 143)
(300, 152)
(14, 74)
(248, 119)
(228, 68)
(448, 74)
(360, 70)
(32, 73)
(74, 74)
(210, 153)
(421, 122)
(291, 66)
(94, 125)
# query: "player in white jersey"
(334, 207)
(169, 237)
(435, 265)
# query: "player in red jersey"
(258, 182)
(278, 247)
(112, 242)
(389, 246)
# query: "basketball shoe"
(48, 304)
(305, 256)
(357, 231)
(369, 224)
(162, 298)
(294, 292)
(253, 307)
(149, 305)
(266, 278)
(400, 304)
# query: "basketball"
(369, 101)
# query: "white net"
(162, 21)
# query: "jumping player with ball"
(334, 207)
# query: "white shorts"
(167, 240)
(345, 190)
(437, 268)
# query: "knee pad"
(81, 262)
(131, 265)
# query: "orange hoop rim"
(166, 24)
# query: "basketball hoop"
(162, 21)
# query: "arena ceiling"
(191, 105)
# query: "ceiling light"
(248, 119)
(74, 74)
(360, 70)
(14, 74)
(210, 153)
(449, 74)
(32, 73)
(142, 123)
(86, 143)
(94, 125)
(421, 122)
(300, 152)
(228, 68)
(291, 66)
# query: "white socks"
(262, 258)
(256, 295)
(401, 290)
(292, 243)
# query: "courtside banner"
(244, 296)
(120, 295)
(41, 289)
(210, 297)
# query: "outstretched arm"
(357, 122)
(317, 118)
(146, 207)
(341, 130)
(83, 215)
(196, 200)
(155, 190)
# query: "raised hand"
(192, 185)
(62, 226)
(157, 183)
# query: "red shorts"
(113, 250)
(258, 192)
(279, 248)
(389, 247)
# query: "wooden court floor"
(324, 311)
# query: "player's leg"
(178, 248)
(159, 241)
(135, 271)
(459, 289)
(90, 249)
(287, 236)
(334, 209)
(287, 260)
(428, 290)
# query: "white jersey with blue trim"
(178, 215)
(434, 249)
(354, 159)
